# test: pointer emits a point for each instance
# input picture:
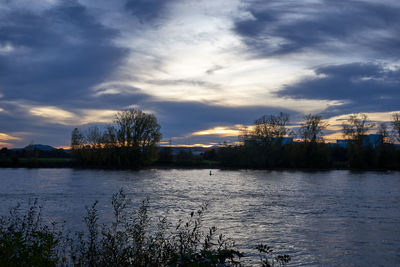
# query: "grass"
(46, 160)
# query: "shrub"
(25, 241)
(131, 239)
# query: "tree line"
(132, 142)
(264, 145)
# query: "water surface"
(319, 218)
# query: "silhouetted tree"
(311, 152)
(383, 133)
(270, 128)
(356, 127)
(396, 126)
(262, 141)
(311, 129)
(384, 154)
(93, 137)
(109, 138)
(132, 143)
(137, 130)
(77, 139)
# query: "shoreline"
(71, 165)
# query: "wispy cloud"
(335, 27)
(80, 117)
(7, 137)
(196, 64)
(362, 87)
(221, 131)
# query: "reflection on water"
(320, 218)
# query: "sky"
(203, 68)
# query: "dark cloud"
(277, 27)
(113, 96)
(364, 87)
(147, 10)
(57, 55)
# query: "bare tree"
(396, 126)
(270, 128)
(383, 133)
(244, 134)
(109, 138)
(357, 127)
(136, 129)
(311, 129)
(131, 143)
(77, 139)
(93, 136)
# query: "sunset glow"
(204, 68)
(221, 131)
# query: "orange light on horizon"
(4, 138)
(189, 146)
(63, 147)
(8, 145)
(222, 131)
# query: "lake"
(319, 218)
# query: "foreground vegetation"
(131, 239)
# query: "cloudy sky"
(203, 67)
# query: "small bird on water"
(211, 173)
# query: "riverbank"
(203, 164)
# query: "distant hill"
(40, 147)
